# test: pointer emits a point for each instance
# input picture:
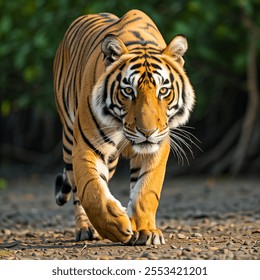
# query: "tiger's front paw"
(147, 237)
(112, 222)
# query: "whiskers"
(181, 142)
(115, 135)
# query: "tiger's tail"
(62, 189)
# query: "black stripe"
(134, 73)
(111, 111)
(178, 87)
(74, 25)
(133, 179)
(105, 91)
(156, 58)
(183, 91)
(68, 166)
(134, 170)
(89, 143)
(93, 46)
(86, 184)
(138, 53)
(76, 50)
(66, 149)
(83, 51)
(118, 77)
(112, 158)
(70, 130)
(113, 86)
(150, 75)
(67, 138)
(134, 59)
(66, 187)
(79, 28)
(183, 86)
(144, 174)
(156, 66)
(171, 77)
(112, 169)
(102, 176)
(84, 33)
(175, 107)
(64, 98)
(166, 81)
(79, 49)
(76, 202)
(146, 52)
(149, 25)
(135, 66)
(126, 81)
(133, 20)
(143, 43)
(156, 195)
(89, 161)
(95, 67)
(137, 35)
(59, 67)
(98, 35)
(76, 102)
(102, 133)
(106, 15)
(179, 113)
(107, 112)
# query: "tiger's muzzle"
(145, 141)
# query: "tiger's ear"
(113, 48)
(177, 48)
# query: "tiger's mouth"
(146, 147)
(144, 144)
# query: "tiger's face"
(148, 95)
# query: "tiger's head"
(146, 92)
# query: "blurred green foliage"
(3, 184)
(30, 31)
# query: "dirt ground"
(202, 218)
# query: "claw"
(86, 234)
(146, 237)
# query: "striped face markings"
(146, 97)
(154, 74)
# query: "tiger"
(119, 91)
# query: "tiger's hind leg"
(62, 189)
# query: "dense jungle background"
(222, 62)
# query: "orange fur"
(119, 90)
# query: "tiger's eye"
(163, 90)
(128, 90)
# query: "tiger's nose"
(146, 132)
